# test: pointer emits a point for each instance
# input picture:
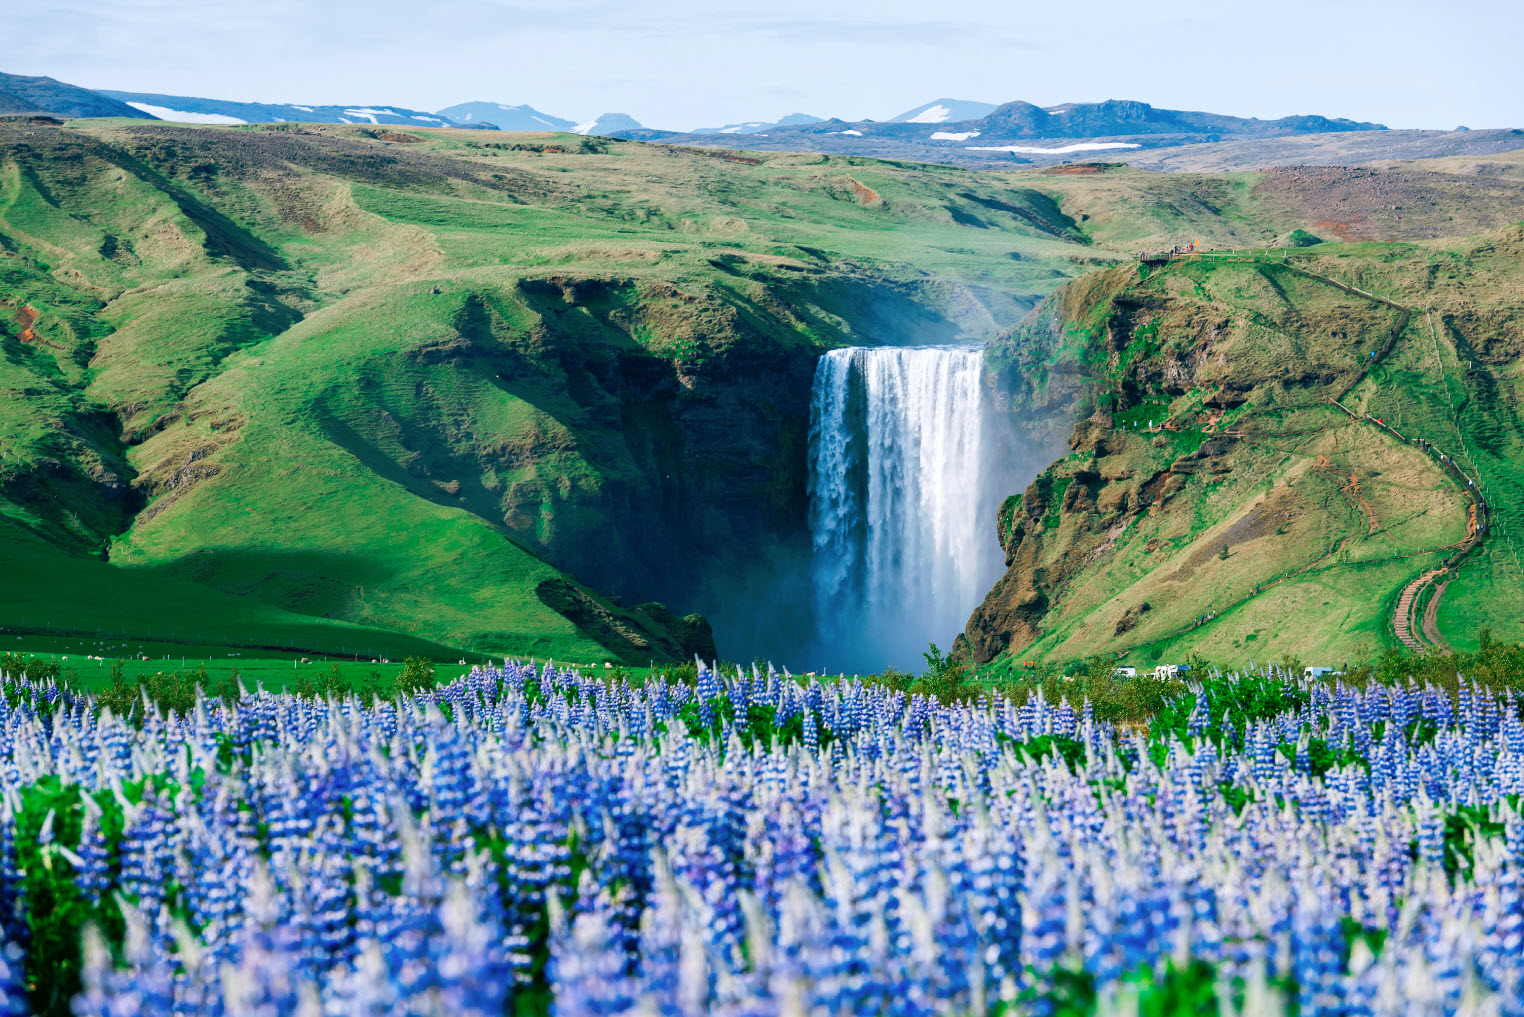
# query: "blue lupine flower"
(378, 858)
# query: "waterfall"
(905, 478)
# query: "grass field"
(76, 660)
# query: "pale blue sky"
(682, 63)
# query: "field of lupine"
(524, 841)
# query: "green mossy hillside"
(1229, 483)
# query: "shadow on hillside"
(316, 583)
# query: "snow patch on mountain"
(200, 110)
(935, 115)
(758, 126)
(181, 116)
(953, 135)
(372, 114)
(941, 111)
(608, 123)
(507, 117)
(1084, 146)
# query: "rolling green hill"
(481, 389)
(1249, 475)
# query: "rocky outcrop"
(639, 635)
(693, 633)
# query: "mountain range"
(1019, 131)
(758, 126)
(962, 132)
(22, 94)
(44, 95)
(192, 110)
(505, 117)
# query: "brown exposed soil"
(1264, 519)
(1342, 230)
(26, 317)
(1371, 203)
(862, 192)
(1129, 620)
(1081, 169)
(722, 154)
(1431, 618)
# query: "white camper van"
(1318, 672)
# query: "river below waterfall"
(908, 465)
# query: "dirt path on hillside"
(1431, 619)
(1427, 635)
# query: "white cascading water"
(903, 492)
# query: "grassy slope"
(52, 592)
(1328, 558)
(259, 393)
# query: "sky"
(680, 64)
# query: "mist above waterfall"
(908, 465)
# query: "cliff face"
(629, 454)
(1214, 494)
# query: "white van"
(1318, 672)
(1125, 672)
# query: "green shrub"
(1496, 666)
(173, 691)
(37, 669)
(417, 676)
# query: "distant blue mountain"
(507, 118)
(945, 111)
(758, 126)
(22, 94)
(193, 110)
(608, 125)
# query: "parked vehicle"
(1126, 672)
(1318, 672)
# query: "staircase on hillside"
(1402, 616)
